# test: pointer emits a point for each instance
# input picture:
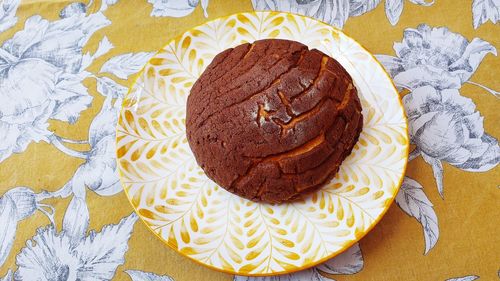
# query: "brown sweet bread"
(271, 120)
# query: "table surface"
(65, 67)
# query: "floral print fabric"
(65, 68)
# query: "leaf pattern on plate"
(309, 275)
(205, 222)
(348, 262)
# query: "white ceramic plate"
(204, 222)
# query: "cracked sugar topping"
(272, 120)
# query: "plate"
(203, 221)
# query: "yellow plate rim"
(306, 265)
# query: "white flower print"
(53, 256)
(41, 72)
(446, 127)
(433, 63)
(137, 275)
(176, 8)
(436, 57)
(42, 69)
(484, 10)
(99, 172)
(335, 12)
(8, 10)
(348, 262)
(51, 54)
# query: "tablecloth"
(66, 65)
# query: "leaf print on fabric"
(413, 201)
(485, 10)
(348, 262)
(437, 170)
(176, 8)
(99, 171)
(41, 72)
(103, 47)
(76, 219)
(8, 10)
(8, 221)
(359, 7)
(104, 251)
(393, 10)
(423, 2)
(137, 275)
(446, 126)
(52, 256)
(109, 87)
(16, 205)
(464, 278)
(436, 57)
(124, 65)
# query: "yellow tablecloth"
(65, 65)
